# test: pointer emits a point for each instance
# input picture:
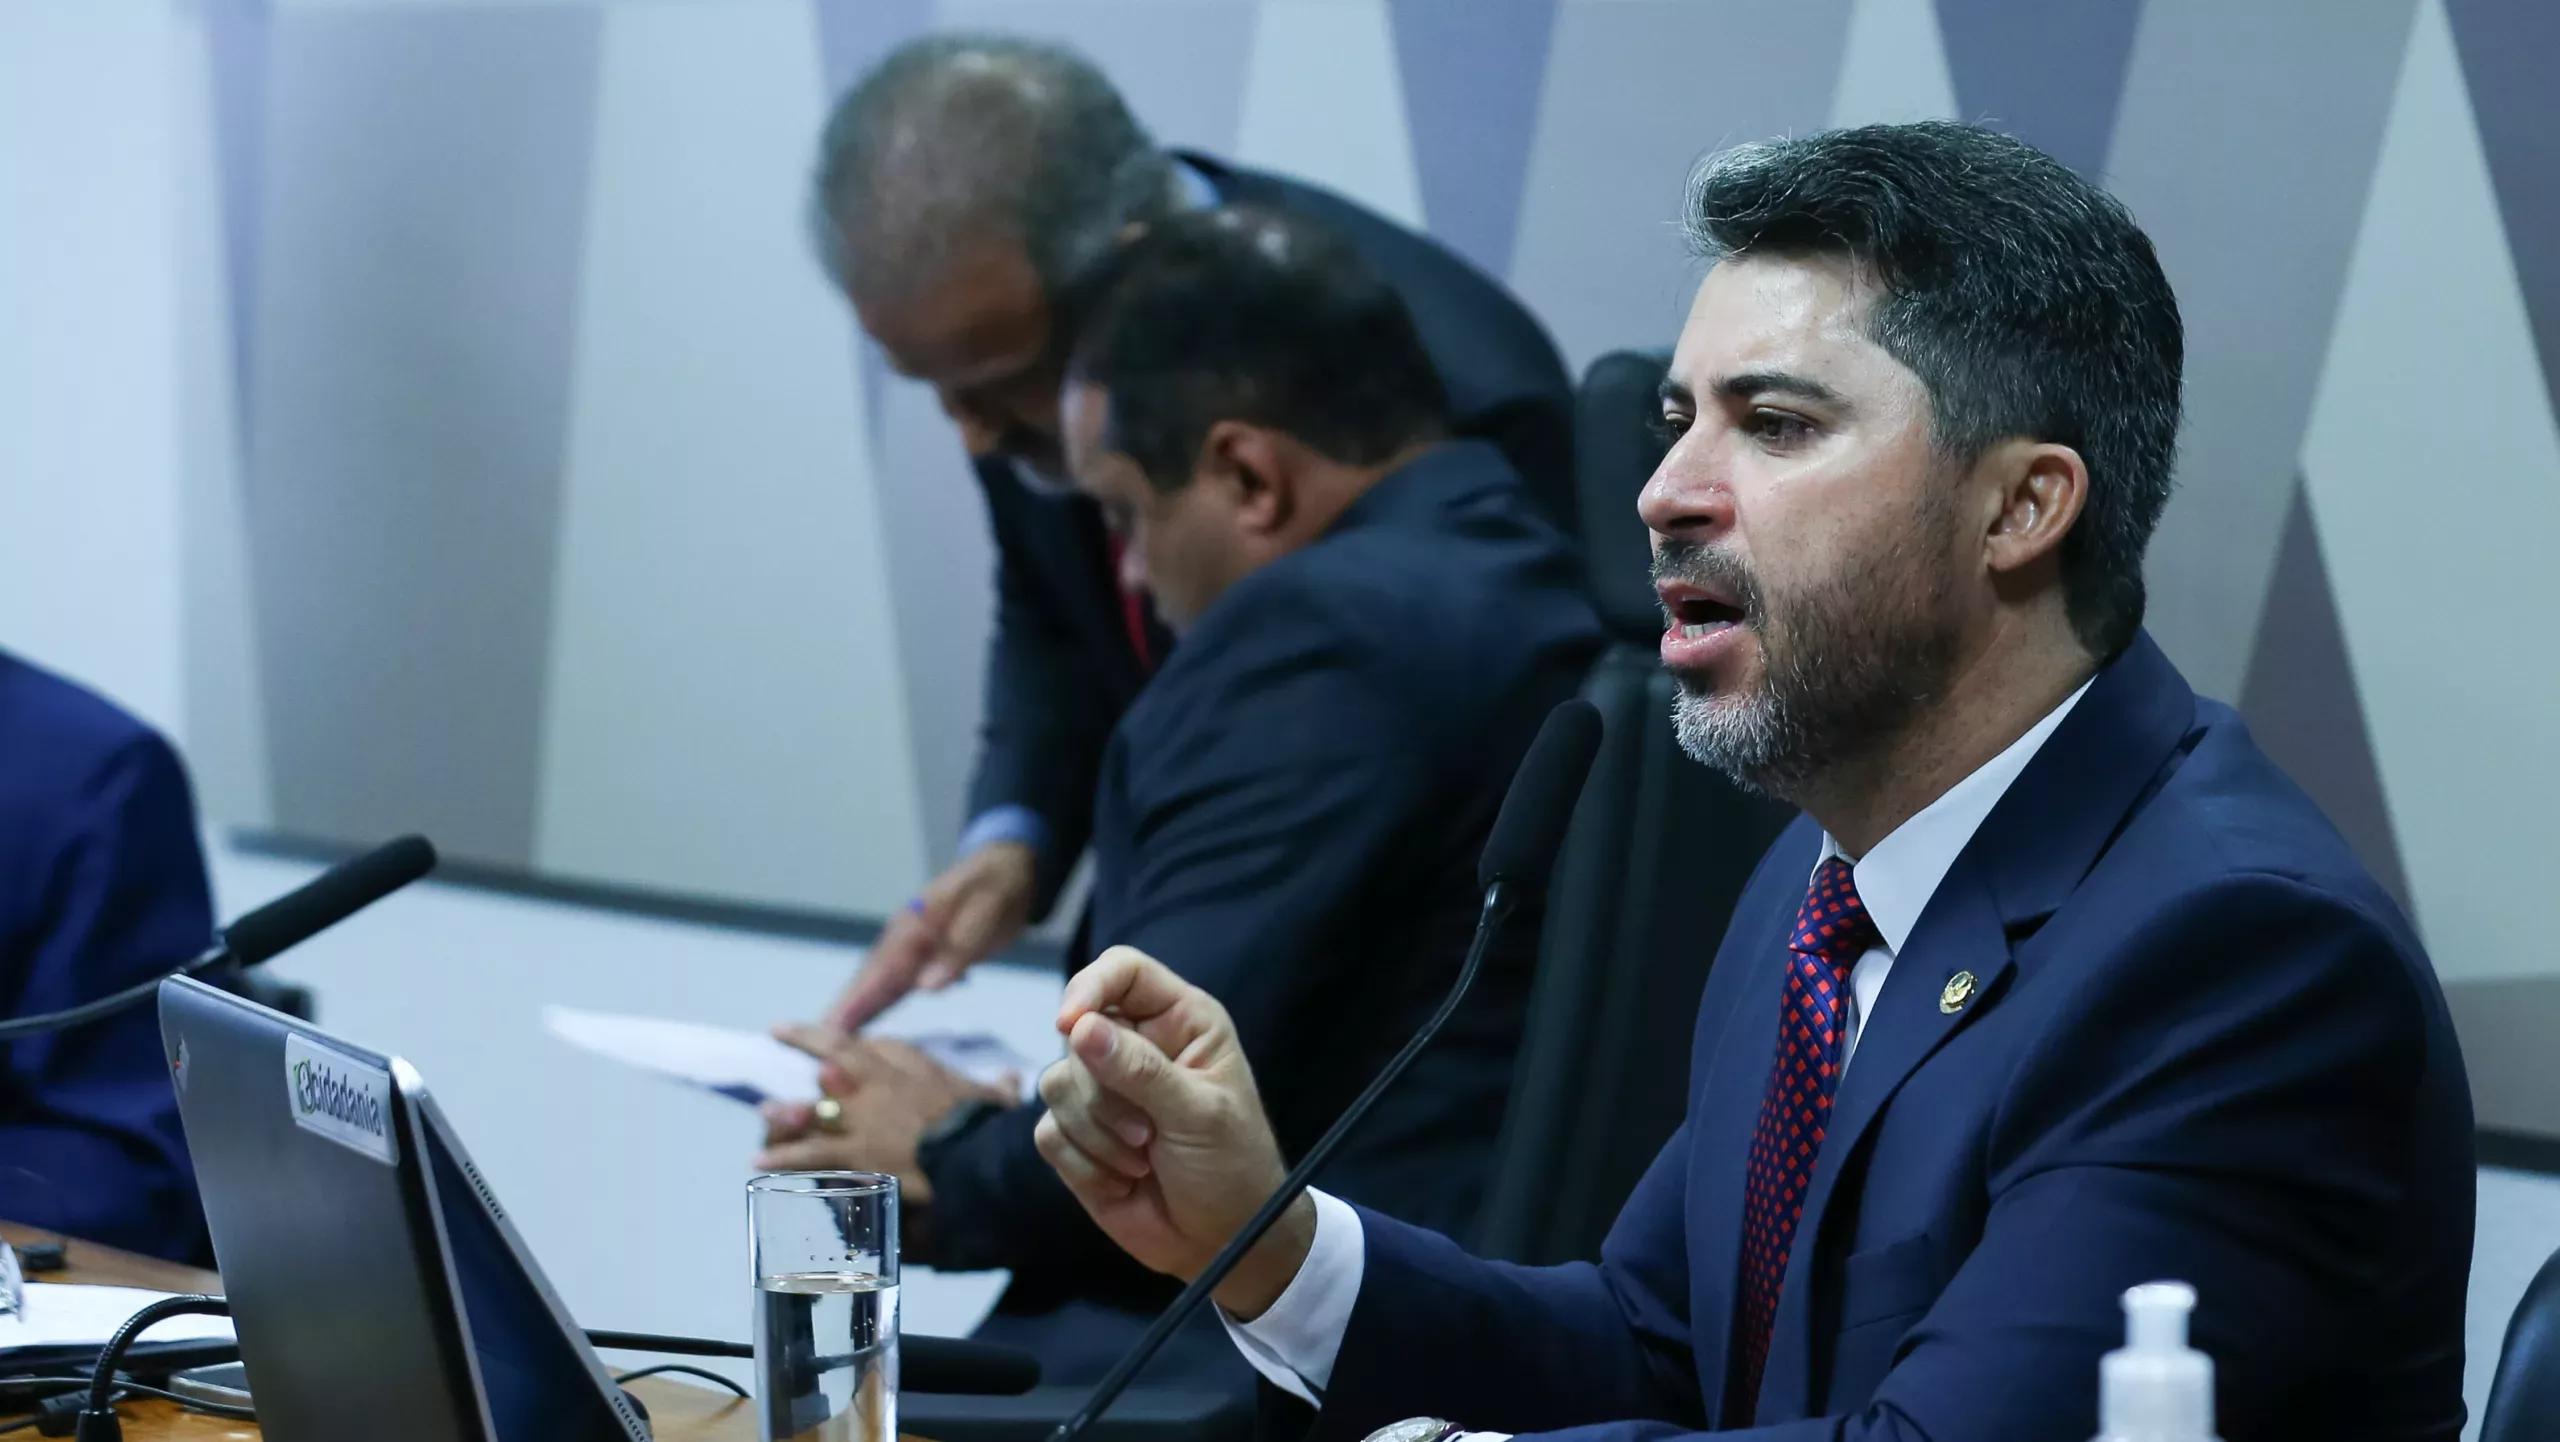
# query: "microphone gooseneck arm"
(114, 1001)
(1498, 904)
(289, 920)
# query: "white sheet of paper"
(72, 1314)
(752, 1067)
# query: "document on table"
(72, 1314)
(751, 1067)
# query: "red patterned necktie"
(1133, 610)
(1832, 932)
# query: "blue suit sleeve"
(2231, 1112)
(1508, 1348)
(1045, 719)
(92, 1136)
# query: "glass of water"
(825, 1251)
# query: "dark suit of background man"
(961, 187)
(1374, 621)
(101, 885)
(2059, 986)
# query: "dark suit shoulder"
(2230, 821)
(1438, 600)
(57, 736)
(1485, 341)
(1444, 560)
(2228, 903)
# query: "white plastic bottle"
(2157, 1388)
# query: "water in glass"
(827, 1356)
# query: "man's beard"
(1845, 667)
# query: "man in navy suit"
(2058, 987)
(1375, 621)
(963, 187)
(101, 885)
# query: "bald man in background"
(963, 187)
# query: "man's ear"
(1254, 466)
(2040, 489)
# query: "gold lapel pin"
(1959, 990)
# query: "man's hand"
(1154, 1123)
(967, 914)
(890, 1093)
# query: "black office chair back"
(2524, 1396)
(1657, 855)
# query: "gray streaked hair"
(956, 138)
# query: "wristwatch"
(1417, 1429)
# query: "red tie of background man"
(1832, 932)
(1133, 610)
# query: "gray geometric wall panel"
(1473, 70)
(425, 190)
(1636, 91)
(2047, 71)
(1181, 67)
(2511, 57)
(2252, 192)
(236, 40)
(2301, 701)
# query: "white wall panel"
(2434, 473)
(1323, 100)
(725, 710)
(1636, 91)
(225, 725)
(1894, 67)
(90, 409)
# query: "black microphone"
(1518, 854)
(954, 1366)
(290, 919)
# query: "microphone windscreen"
(1530, 828)
(964, 1368)
(327, 899)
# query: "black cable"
(672, 1346)
(22, 1424)
(90, 1011)
(98, 1420)
(218, 1409)
(688, 1370)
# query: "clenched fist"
(1155, 1125)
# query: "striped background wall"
(537, 493)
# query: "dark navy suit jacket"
(1290, 816)
(101, 885)
(2202, 1045)
(1061, 668)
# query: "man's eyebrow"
(1673, 393)
(1744, 386)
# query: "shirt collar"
(1198, 191)
(1899, 874)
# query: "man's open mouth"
(1694, 613)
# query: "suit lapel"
(2021, 865)
(1961, 931)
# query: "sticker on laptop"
(339, 1097)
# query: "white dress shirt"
(1295, 1342)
